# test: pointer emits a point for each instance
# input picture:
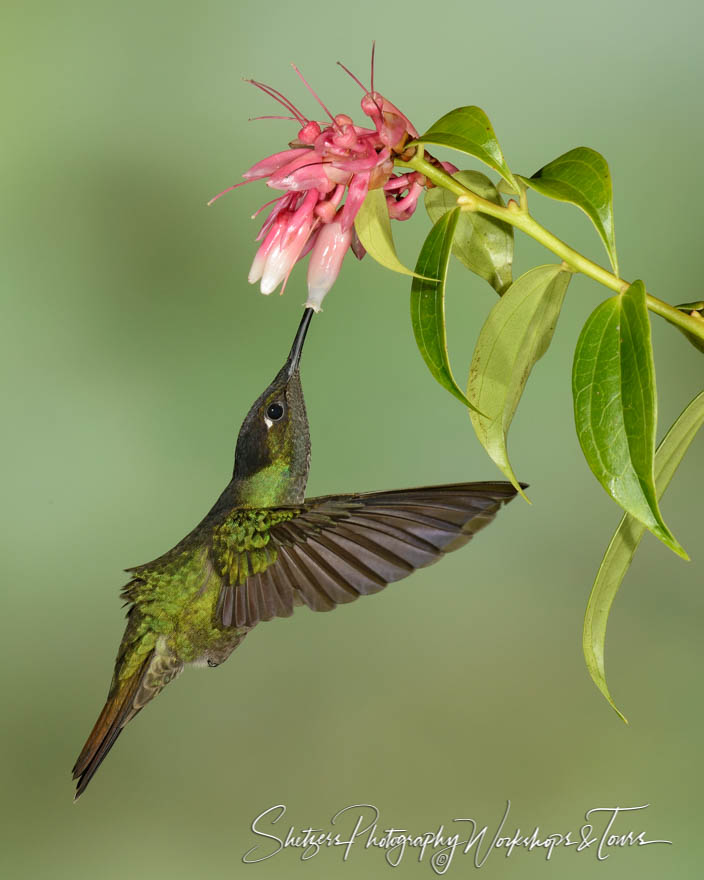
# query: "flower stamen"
(373, 55)
(313, 93)
(225, 191)
(257, 118)
(277, 96)
(349, 73)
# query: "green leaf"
(515, 336)
(483, 244)
(374, 230)
(581, 177)
(624, 543)
(468, 130)
(694, 310)
(507, 189)
(613, 384)
(428, 302)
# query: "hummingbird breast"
(174, 600)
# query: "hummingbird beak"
(294, 357)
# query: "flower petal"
(266, 167)
(404, 208)
(308, 176)
(281, 204)
(260, 258)
(284, 255)
(325, 262)
(357, 192)
(304, 156)
(365, 162)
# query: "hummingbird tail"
(121, 707)
(124, 701)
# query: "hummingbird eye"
(275, 411)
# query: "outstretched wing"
(340, 547)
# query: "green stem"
(519, 217)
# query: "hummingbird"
(264, 549)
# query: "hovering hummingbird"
(263, 549)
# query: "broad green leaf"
(428, 302)
(483, 244)
(581, 177)
(624, 543)
(468, 130)
(515, 336)
(695, 310)
(374, 230)
(615, 408)
(507, 189)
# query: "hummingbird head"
(272, 457)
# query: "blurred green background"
(133, 346)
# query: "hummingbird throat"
(272, 458)
(272, 486)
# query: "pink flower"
(325, 261)
(325, 176)
(283, 245)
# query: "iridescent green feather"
(175, 596)
(242, 544)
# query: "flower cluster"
(325, 175)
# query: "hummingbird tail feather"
(121, 706)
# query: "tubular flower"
(324, 177)
(325, 261)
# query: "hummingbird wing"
(340, 547)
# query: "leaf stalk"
(519, 217)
